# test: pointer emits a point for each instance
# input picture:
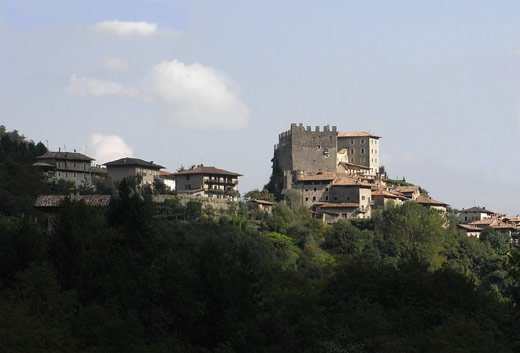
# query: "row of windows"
(362, 141)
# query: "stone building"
(361, 149)
(332, 171)
(475, 214)
(69, 166)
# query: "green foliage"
(275, 184)
(140, 277)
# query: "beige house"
(263, 205)
(469, 230)
(475, 214)
(411, 192)
(208, 182)
(126, 167)
(381, 198)
(334, 193)
(69, 166)
(362, 149)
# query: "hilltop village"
(335, 175)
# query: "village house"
(381, 198)
(475, 214)
(208, 182)
(263, 205)
(51, 204)
(127, 167)
(69, 166)
(431, 203)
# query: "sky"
(214, 82)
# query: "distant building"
(412, 192)
(263, 205)
(69, 166)
(362, 149)
(431, 203)
(51, 204)
(321, 191)
(475, 214)
(168, 179)
(208, 182)
(126, 167)
(381, 198)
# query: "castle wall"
(312, 151)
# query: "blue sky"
(185, 82)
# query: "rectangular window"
(326, 198)
(335, 198)
(314, 198)
(351, 142)
(352, 151)
(314, 189)
(362, 141)
(362, 151)
(306, 199)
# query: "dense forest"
(146, 277)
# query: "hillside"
(143, 277)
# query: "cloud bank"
(87, 86)
(192, 96)
(106, 148)
(127, 28)
(195, 96)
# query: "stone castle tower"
(302, 150)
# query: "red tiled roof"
(357, 134)
(201, 169)
(428, 201)
(390, 194)
(44, 201)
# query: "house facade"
(126, 167)
(69, 166)
(208, 181)
(475, 214)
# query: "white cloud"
(86, 86)
(126, 28)
(192, 96)
(117, 65)
(106, 148)
(195, 96)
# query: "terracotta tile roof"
(357, 134)
(44, 201)
(428, 201)
(349, 181)
(263, 202)
(127, 161)
(408, 188)
(69, 156)
(201, 169)
(390, 194)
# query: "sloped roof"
(201, 169)
(357, 134)
(348, 181)
(263, 202)
(127, 161)
(407, 188)
(390, 194)
(428, 201)
(69, 156)
(44, 201)
(478, 209)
